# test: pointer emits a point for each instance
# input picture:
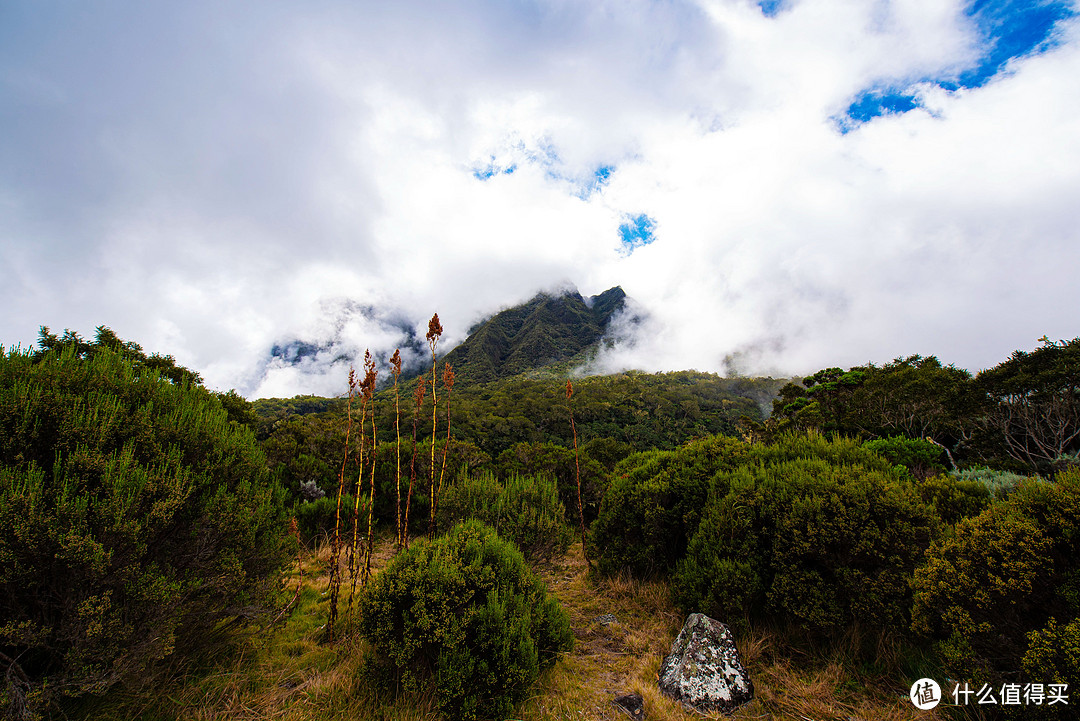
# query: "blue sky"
(1006, 30)
(779, 185)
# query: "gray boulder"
(703, 669)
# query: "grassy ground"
(286, 671)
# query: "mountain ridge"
(547, 330)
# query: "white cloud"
(309, 177)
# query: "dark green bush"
(654, 504)
(1053, 654)
(135, 518)
(464, 617)
(998, 483)
(922, 459)
(820, 543)
(656, 499)
(524, 510)
(954, 497)
(1003, 575)
(316, 518)
(558, 462)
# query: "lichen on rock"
(704, 670)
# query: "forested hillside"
(888, 522)
(550, 332)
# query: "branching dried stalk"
(395, 366)
(335, 543)
(448, 384)
(435, 330)
(372, 374)
(418, 397)
(367, 388)
(577, 468)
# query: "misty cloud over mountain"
(777, 186)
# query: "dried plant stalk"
(395, 365)
(418, 397)
(435, 330)
(371, 376)
(335, 543)
(448, 384)
(577, 468)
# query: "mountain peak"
(553, 327)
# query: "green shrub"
(1003, 575)
(316, 518)
(135, 518)
(953, 497)
(1053, 654)
(656, 499)
(998, 483)
(464, 617)
(654, 504)
(922, 459)
(524, 510)
(558, 462)
(820, 543)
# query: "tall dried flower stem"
(577, 467)
(448, 384)
(372, 374)
(335, 543)
(358, 485)
(434, 331)
(418, 396)
(395, 366)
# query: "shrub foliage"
(464, 617)
(822, 544)
(524, 510)
(993, 593)
(135, 517)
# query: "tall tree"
(1034, 397)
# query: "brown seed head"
(421, 388)
(370, 374)
(448, 377)
(395, 362)
(569, 389)
(352, 379)
(434, 329)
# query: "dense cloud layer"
(264, 191)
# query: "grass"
(288, 673)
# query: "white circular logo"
(925, 694)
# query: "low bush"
(524, 510)
(1053, 654)
(135, 519)
(463, 617)
(954, 497)
(821, 544)
(656, 499)
(999, 484)
(316, 518)
(922, 459)
(654, 504)
(560, 463)
(1001, 577)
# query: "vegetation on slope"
(136, 519)
(850, 537)
(549, 329)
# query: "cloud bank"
(266, 190)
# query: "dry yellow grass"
(625, 657)
(288, 673)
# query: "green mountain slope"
(548, 330)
